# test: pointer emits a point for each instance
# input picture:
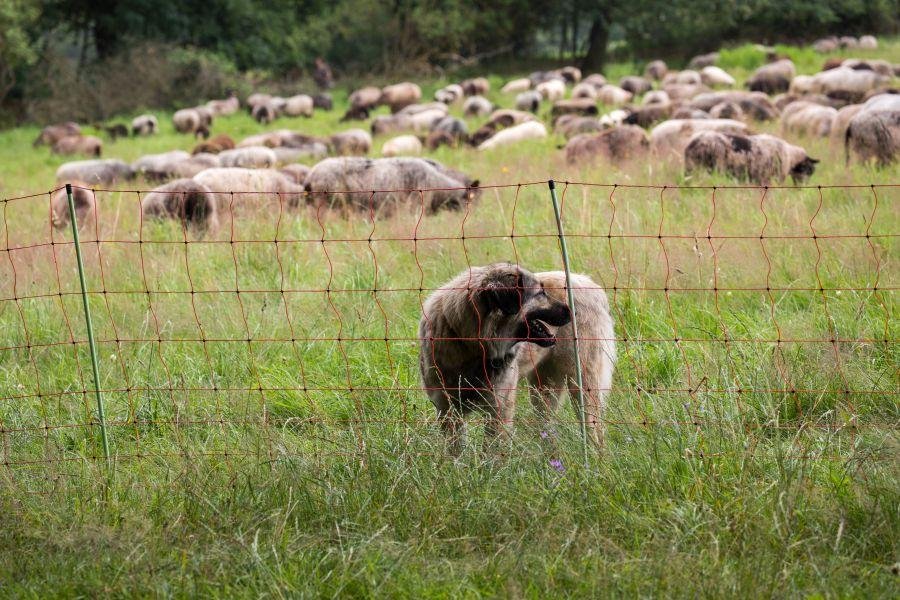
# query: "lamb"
(53, 133)
(479, 86)
(477, 106)
(235, 187)
(868, 42)
(188, 120)
(251, 157)
(352, 141)
(323, 101)
(144, 125)
(585, 90)
(571, 125)
(159, 166)
(380, 184)
(614, 145)
(516, 85)
(552, 90)
(656, 69)
(530, 101)
(85, 206)
(215, 144)
(579, 106)
(515, 134)
(300, 105)
(264, 112)
(808, 118)
(874, 132)
(450, 94)
(636, 85)
(229, 106)
(106, 171)
(714, 76)
(78, 144)
(613, 95)
(672, 136)
(186, 200)
(727, 110)
(759, 159)
(399, 95)
(704, 60)
(772, 78)
(402, 145)
(656, 97)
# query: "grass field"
(755, 456)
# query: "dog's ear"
(503, 293)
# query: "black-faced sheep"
(755, 105)
(614, 145)
(529, 100)
(645, 116)
(184, 200)
(575, 106)
(636, 85)
(478, 86)
(144, 125)
(727, 110)
(477, 106)
(264, 113)
(759, 159)
(323, 101)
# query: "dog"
(492, 325)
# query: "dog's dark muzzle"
(540, 325)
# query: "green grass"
(220, 489)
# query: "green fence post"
(565, 256)
(90, 325)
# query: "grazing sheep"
(656, 70)
(672, 136)
(78, 144)
(578, 106)
(649, 114)
(530, 101)
(185, 200)
(686, 112)
(352, 141)
(882, 67)
(456, 128)
(727, 110)
(398, 95)
(686, 77)
(258, 157)
(220, 108)
(807, 118)
(595, 79)
(300, 105)
(449, 94)
(585, 90)
(479, 86)
(215, 144)
(714, 76)
(552, 90)
(323, 101)
(159, 166)
(636, 85)
(383, 124)
(505, 117)
(427, 107)
(825, 45)
(848, 41)
(53, 133)
(570, 74)
(704, 60)
(539, 77)
(516, 85)
(846, 83)
(614, 118)
(144, 125)
(759, 159)
(402, 145)
(436, 139)
(287, 154)
(355, 113)
(781, 101)
(295, 172)
(366, 98)
(614, 95)
(772, 78)
(477, 106)
(236, 187)
(571, 125)
(264, 112)
(841, 122)
(256, 99)
(680, 92)
(874, 132)
(115, 131)
(85, 206)
(95, 171)
(868, 42)
(756, 105)
(191, 166)
(614, 145)
(187, 120)
(656, 97)
(801, 84)
(380, 184)
(512, 135)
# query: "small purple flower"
(544, 435)
(557, 464)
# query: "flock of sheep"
(694, 115)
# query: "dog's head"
(514, 307)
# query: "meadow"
(269, 436)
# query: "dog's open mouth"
(540, 333)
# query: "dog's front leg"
(499, 425)
(454, 428)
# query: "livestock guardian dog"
(492, 325)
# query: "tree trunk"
(597, 41)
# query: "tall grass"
(231, 480)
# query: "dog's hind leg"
(545, 394)
(594, 397)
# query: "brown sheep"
(190, 202)
(656, 69)
(614, 145)
(759, 159)
(79, 144)
(636, 85)
(53, 133)
(351, 142)
(645, 116)
(772, 78)
(215, 144)
(85, 206)
(439, 138)
(399, 95)
(478, 86)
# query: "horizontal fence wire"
(280, 327)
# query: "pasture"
(268, 432)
